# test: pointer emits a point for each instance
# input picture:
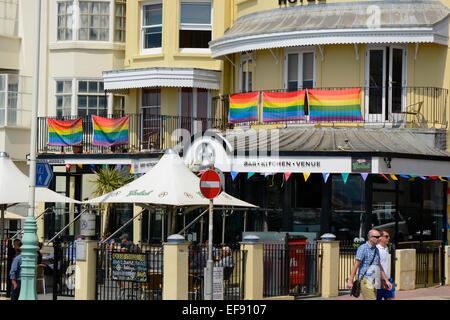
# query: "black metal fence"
(347, 254)
(151, 133)
(428, 266)
(147, 286)
(397, 106)
(6, 257)
(64, 269)
(292, 269)
(230, 257)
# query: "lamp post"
(29, 248)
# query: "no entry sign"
(210, 185)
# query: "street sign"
(210, 184)
(44, 175)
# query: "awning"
(337, 23)
(161, 77)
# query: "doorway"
(385, 93)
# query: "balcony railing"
(424, 107)
(149, 133)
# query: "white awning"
(366, 22)
(161, 77)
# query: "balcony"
(396, 107)
(147, 134)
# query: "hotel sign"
(294, 2)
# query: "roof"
(339, 140)
(399, 21)
(161, 77)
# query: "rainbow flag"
(244, 107)
(110, 132)
(335, 105)
(65, 133)
(284, 106)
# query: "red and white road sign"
(210, 184)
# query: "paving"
(432, 293)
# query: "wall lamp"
(388, 160)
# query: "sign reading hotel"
(294, 2)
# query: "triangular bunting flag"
(80, 166)
(287, 175)
(423, 177)
(345, 177)
(325, 176)
(405, 176)
(67, 166)
(234, 174)
(442, 179)
(394, 177)
(268, 174)
(384, 176)
(306, 175)
(250, 174)
(434, 178)
(92, 167)
(364, 176)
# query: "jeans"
(15, 292)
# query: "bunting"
(306, 175)
(384, 176)
(345, 177)
(244, 107)
(394, 177)
(234, 174)
(283, 106)
(64, 133)
(287, 175)
(110, 132)
(364, 176)
(250, 174)
(335, 105)
(325, 176)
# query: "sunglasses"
(377, 237)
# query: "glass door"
(386, 81)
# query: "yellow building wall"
(171, 57)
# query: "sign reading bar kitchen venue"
(129, 267)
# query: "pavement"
(432, 293)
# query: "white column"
(110, 103)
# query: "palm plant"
(108, 180)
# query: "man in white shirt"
(385, 259)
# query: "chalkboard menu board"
(129, 267)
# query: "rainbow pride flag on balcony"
(110, 132)
(283, 106)
(335, 105)
(63, 133)
(244, 107)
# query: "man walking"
(370, 271)
(14, 274)
(385, 257)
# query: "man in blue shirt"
(14, 275)
(370, 270)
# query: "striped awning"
(369, 22)
(161, 77)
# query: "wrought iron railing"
(424, 107)
(151, 133)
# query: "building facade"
(180, 64)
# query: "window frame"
(97, 94)
(63, 95)
(156, 50)
(73, 15)
(76, 21)
(122, 18)
(245, 59)
(196, 27)
(90, 15)
(300, 74)
(194, 102)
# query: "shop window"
(195, 24)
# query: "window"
(119, 105)
(195, 26)
(94, 21)
(65, 20)
(91, 99)
(246, 73)
(194, 109)
(151, 26)
(9, 91)
(300, 71)
(63, 98)
(151, 120)
(120, 21)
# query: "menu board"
(129, 267)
